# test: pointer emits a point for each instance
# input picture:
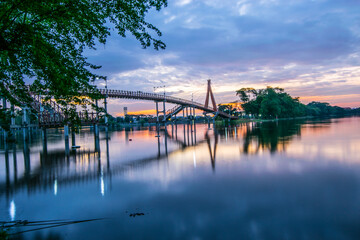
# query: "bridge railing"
(150, 96)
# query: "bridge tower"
(209, 92)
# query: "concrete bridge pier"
(44, 140)
(12, 124)
(97, 144)
(96, 131)
(96, 138)
(66, 136)
(73, 138)
(164, 111)
(184, 114)
(25, 124)
(157, 112)
(107, 153)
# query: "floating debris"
(136, 214)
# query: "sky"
(309, 47)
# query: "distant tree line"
(272, 103)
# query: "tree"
(246, 94)
(43, 42)
(271, 103)
(227, 108)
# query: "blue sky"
(309, 47)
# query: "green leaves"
(271, 103)
(44, 41)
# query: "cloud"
(311, 48)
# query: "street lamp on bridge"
(161, 87)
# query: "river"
(273, 180)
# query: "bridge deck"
(160, 98)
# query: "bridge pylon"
(209, 92)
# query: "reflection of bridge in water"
(57, 167)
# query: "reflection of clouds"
(322, 142)
(328, 142)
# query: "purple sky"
(309, 47)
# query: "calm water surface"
(272, 180)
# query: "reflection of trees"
(273, 136)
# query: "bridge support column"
(73, 144)
(66, 136)
(157, 112)
(164, 111)
(44, 140)
(96, 138)
(25, 123)
(12, 115)
(96, 130)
